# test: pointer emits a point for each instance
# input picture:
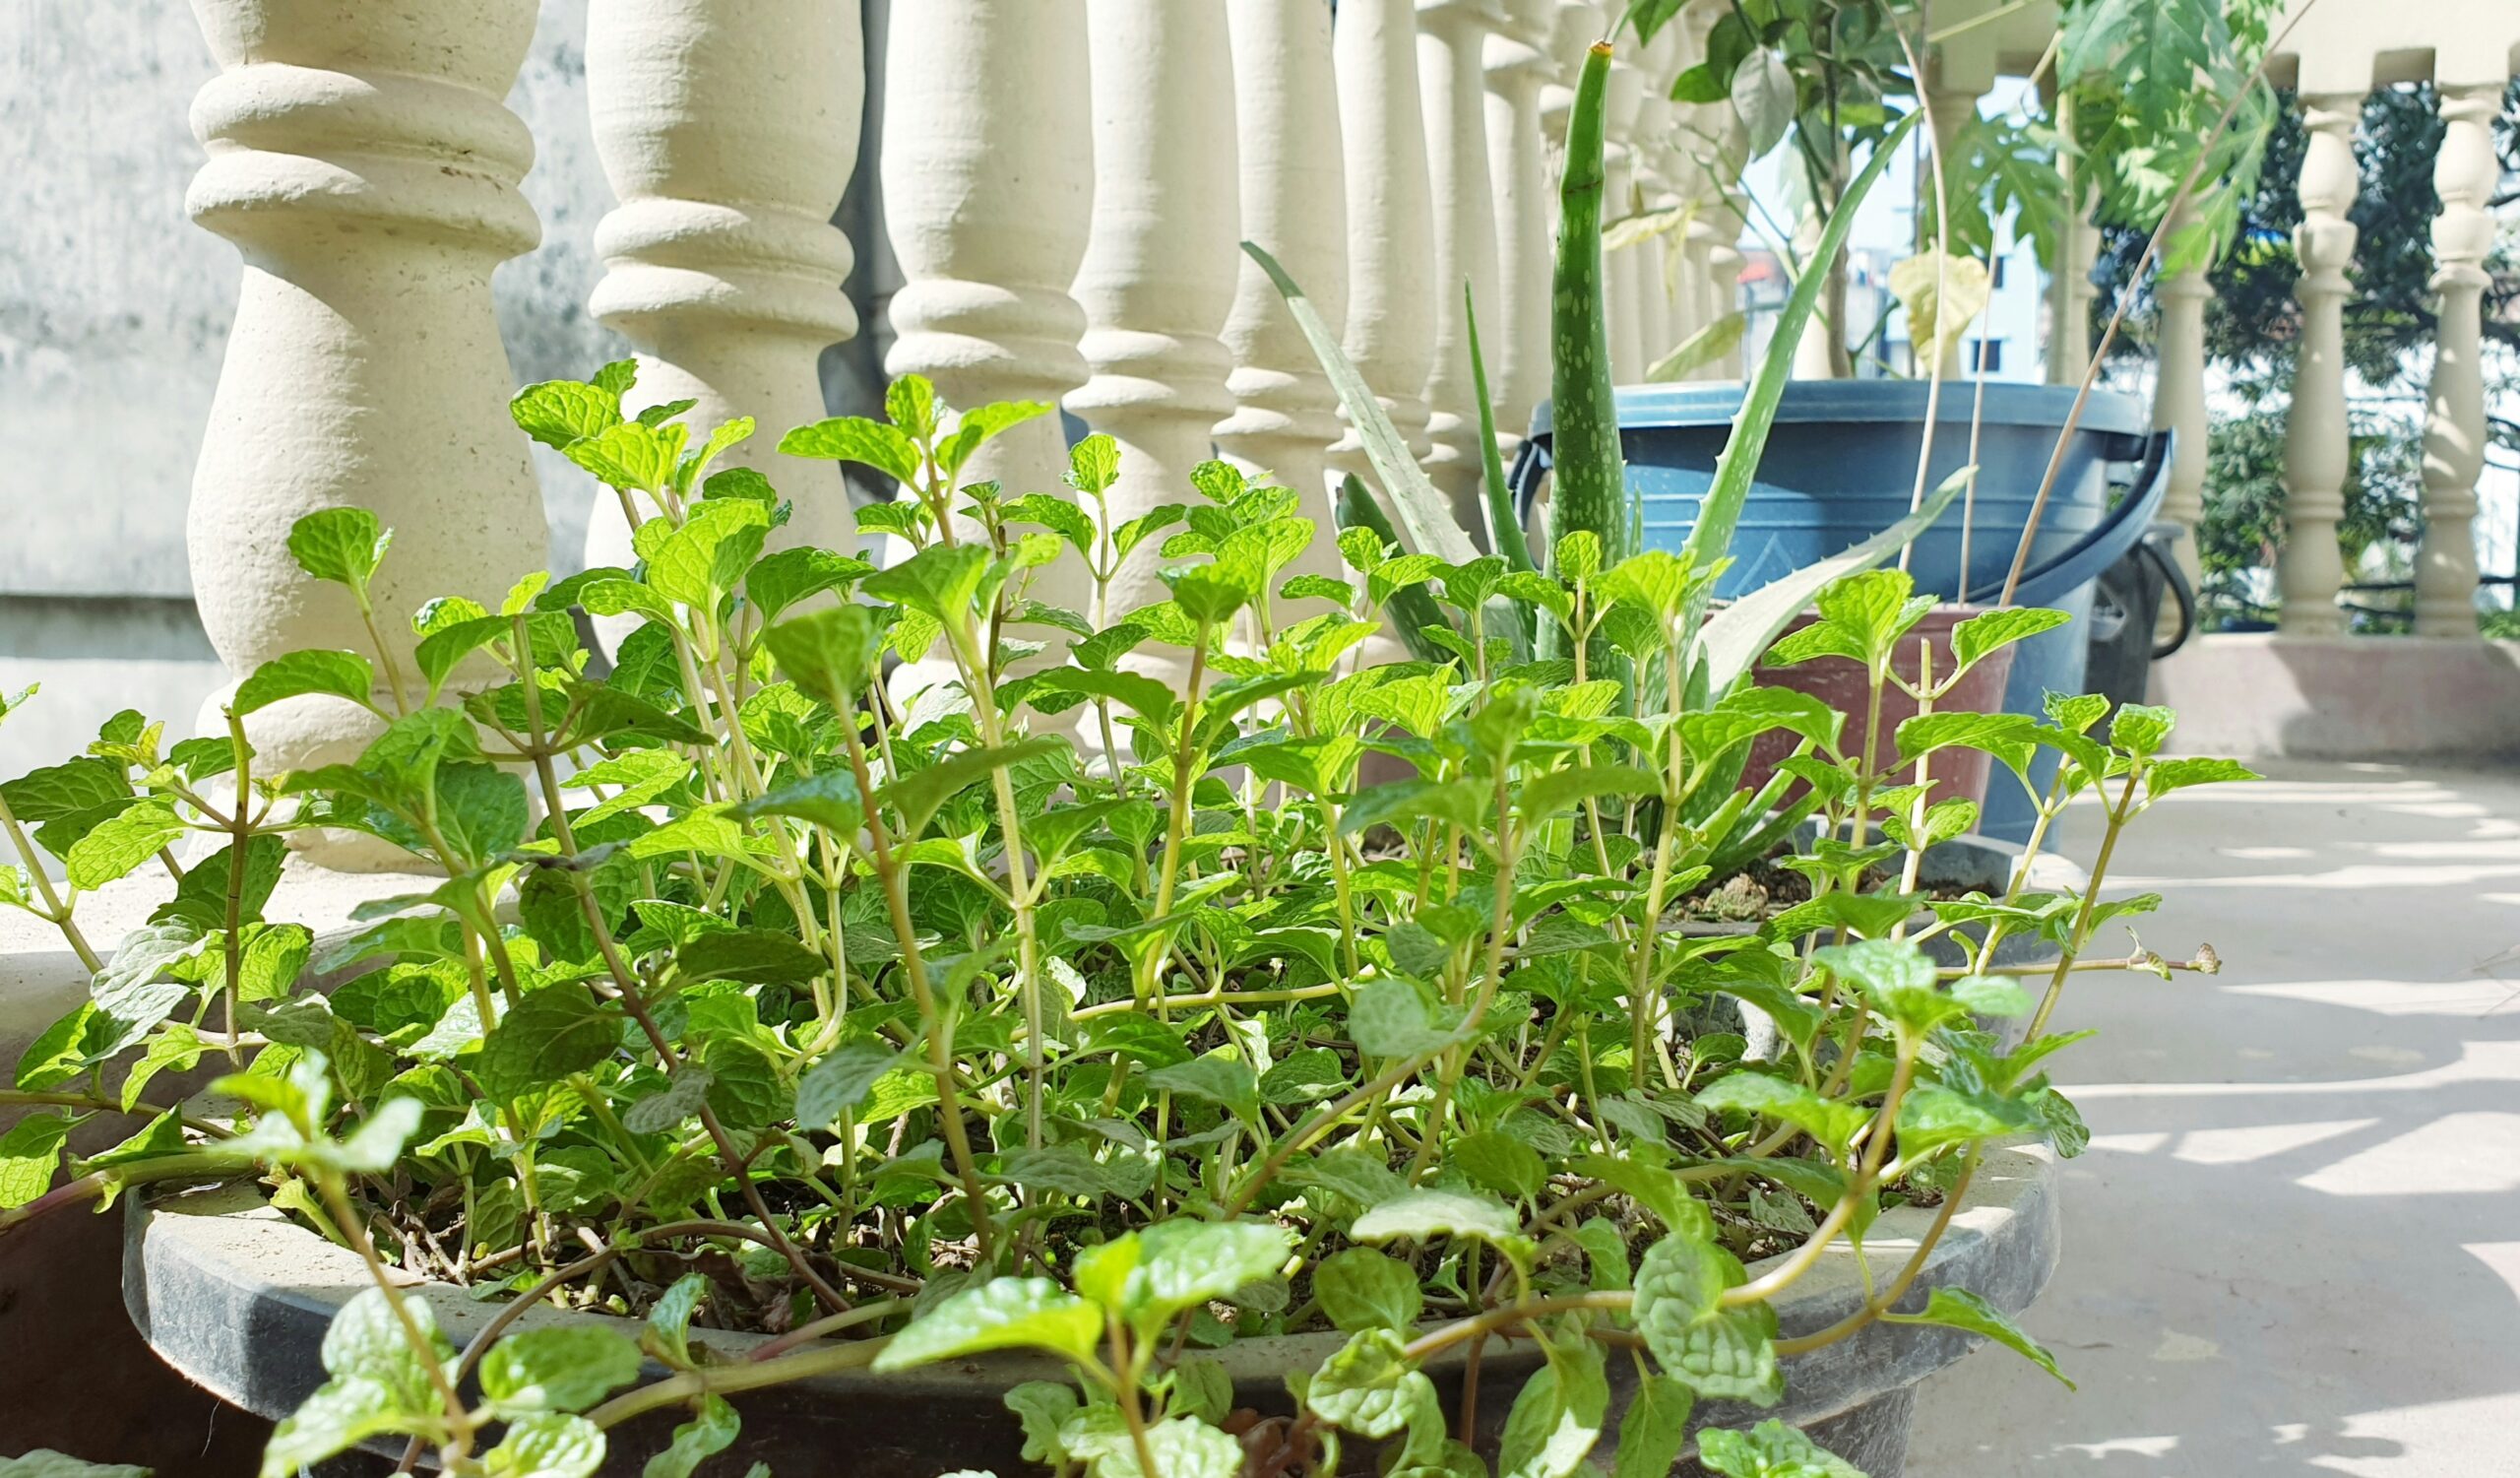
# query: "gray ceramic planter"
(236, 1297)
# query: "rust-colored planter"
(1840, 682)
(81, 1380)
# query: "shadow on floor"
(2294, 1245)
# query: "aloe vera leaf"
(1590, 474)
(1425, 513)
(1720, 512)
(1411, 610)
(1504, 528)
(1733, 639)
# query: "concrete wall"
(2400, 699)
(114, 310)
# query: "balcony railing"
(1063, 185)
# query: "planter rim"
(1645, 408)
(236, 1297)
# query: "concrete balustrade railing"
(2339, 52)
(1063, 185)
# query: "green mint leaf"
(1978, 635)
(547, 1446)
(552, 1033)
(30, 1153)
(563, 1368)
(1002, 1314)
(121, 844)
(1655, 1425)
(1500, 1163)
(342, 674)
(1424, 1213)
(1771, 1450)
(1557, 1417)
(1370, 1386)
(711, 1431)
(855, 438)
(667, 1335)
(1362, 1289)
(342, 545)
(558, 413)
(1960, 1308)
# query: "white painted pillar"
(365, 166)
(2178, 405)
(1623, 276)
(1949, 110)
(2071, 354)
(2316, 446)
(729, 134)
(1815, 351)
(2466, 173)
(1452, 40)
(1390, 331)
(1158, 275)
(1293, 206)
(1514, 332)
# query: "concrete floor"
(2294, 1247)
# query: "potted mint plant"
(773, 1063)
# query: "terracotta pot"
(1840, 682)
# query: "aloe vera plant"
(1591, 474)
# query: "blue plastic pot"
(1840, 467)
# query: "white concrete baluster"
(1687, 161)
(988, 192)
(2178, 405)
(1623, 273)
(1514, 332)
(1655, 118)
(2070, 356)
(1159, 275)
(1287, 127)
(2316, 446)
(1390, 331)
(1724, 260)
(363, 163)
(1452, 40)
(1720, 150)
(1574, 25)
(2465, 173)
(729, 133)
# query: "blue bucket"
(1841, 466)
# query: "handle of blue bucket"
(1522, 483)
(2049, 582)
